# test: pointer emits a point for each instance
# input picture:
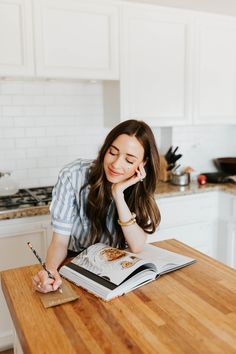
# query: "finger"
(44, 289)
(138, 174)
(42, 283)
(39, 279)
(56, 284)
(142, 170)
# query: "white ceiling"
(227, 7)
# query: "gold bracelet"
(129, 222)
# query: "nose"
(117, 163)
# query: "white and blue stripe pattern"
(68, 207)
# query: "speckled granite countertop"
(24, 212)
(164, 190)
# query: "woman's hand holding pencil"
(46, 280)
(44, 284)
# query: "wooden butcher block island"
(191, 310)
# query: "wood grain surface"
(191, 310)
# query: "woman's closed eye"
(113, 152)
(130, 162)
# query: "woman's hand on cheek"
(138, 176)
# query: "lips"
(112, 172)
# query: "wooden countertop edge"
(16, 321)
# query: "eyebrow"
(125, 154)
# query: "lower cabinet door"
(14, 252)
(201, 236)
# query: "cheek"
(130, 170)
(106, 160)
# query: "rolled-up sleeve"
(63, 206)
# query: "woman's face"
(123, 158)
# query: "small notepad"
(57, 298)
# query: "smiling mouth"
(113, 173)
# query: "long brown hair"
(139, 197)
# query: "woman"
(109, 200)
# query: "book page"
(110, 263)
(163, 259)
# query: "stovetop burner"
(40, 196)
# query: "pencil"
(42, 263)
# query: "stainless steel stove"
(26, 198)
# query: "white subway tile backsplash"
(11, 111)
(26, 164)
(47, 124)
(46, 142)
(14, 154)
(11, 87)
(21, 100)
(24, 121)
(35, 131)
(32, 88)
(47, 162)
(55, 121)
(8, 165)
(20, 175)
(57, 131)
(6, 144)
(6, 122)
(56, 88)
(58, 151)
(24, 143)
(34, 111)
(12, 133)
(5, 100)
(57, 110)
(35, 152)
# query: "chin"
(113, 179)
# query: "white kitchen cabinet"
(227, 229)
(156, 49)
(16, 52)
(191, 219)
(14, 252)
(76, 39)
(215, 69)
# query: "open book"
(110, 272)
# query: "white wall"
(201, 144)
(45, 124)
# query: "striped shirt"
(68, 207)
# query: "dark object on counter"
(226, 165)
(171, 157)
(216, 177)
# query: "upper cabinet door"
(76, 39)
(155, 65)
(215, 70)
(16, 50)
